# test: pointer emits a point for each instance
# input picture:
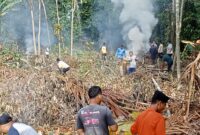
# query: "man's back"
(94, 120)
(21, 129)
(149, 122)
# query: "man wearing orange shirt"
(151, 121)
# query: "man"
(47, 52)
(151, 121)
(62, 66)
(160, 51)
(95, 119)
(7, 125)
(120, 53)
(132, 59)
(103, 51)
(170, 49)
(153, 52)
(167, 60)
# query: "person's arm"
(110, 121)
(79, 126)
(80, 132)
(160, 127)
(134, 127)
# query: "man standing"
(170, 49)
(151, 121)
(62, 66)
(153, 52)
(132, 59)
(7, 125)
(104, 51)
(160, 51)
(95, 119)
(120, 53)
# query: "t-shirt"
(120, 53)
(169, 49)
(95, 119)
(132, 60)
(103, 50)
(160, 49)
(21, 129)
(149, 122)
(62, 64)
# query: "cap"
(160, 96)
(5, 118)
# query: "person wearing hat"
(62, 66)
(95, 119)
(151, 121)
(7, 125)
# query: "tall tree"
(33, 25)
(39, 28)
(58, 24)
(179, 14)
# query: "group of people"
(96, 119)
(157, 52)
(126, 61)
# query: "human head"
(159, 99)
(131, 53)
(5, 122)
(122, 46)
(58, 59)
(95, 94)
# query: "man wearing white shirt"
(62, 66)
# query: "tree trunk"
(58, 18)
(72, 28)
(33, 26)
(39, 29)
(45, 13)
(178, 38)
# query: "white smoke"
(138, 20)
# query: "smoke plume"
(137, 20)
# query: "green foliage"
(10, 55)
(191, 23)
(6, 5)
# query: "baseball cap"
(5, 118)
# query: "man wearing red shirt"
(151, 121)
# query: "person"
(47, 52)
(95, 119)
(7, 125)
(62, 66)
(151, 121)
(132, 59)
(160, 51)
(120, 53)
(153, 52)
(170, 49)
(103, 51)
(167, 59)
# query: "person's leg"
(65, 70)
(169, 67)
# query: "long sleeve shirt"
(149, 122)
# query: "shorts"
(131, 70)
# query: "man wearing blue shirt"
(120, 53)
